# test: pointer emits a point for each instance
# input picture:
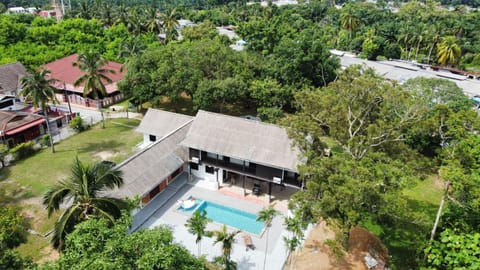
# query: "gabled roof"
(15, 122)
(146, 169)
(10, 76)
(160, 123)
(240, 138)
(64, 72)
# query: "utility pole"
(439, 213)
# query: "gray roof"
(10, 76)
(401, 72)
(147, 168)
(240, 138)
(161, 123)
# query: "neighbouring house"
(10, 76)
(19, 127)
(209, 150)
(48, 13)
(66, 74)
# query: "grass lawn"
(404, 239)
(35, 174)
(27, 180)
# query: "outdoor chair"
(247, 239)
(256, 190)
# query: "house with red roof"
(19, 127)
(66, 74)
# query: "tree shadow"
(99, 146)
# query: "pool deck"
(168, 215)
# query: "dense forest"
(385, 137)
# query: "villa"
(230, 162)
(211, 150)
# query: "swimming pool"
(226, 215)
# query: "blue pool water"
(229, 216)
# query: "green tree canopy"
(96, 244)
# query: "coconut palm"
(266, 216)
(152, 23)
(81, 192)
(349, 21)
(94, 77)
(37, 87)
(227, 239)
(169, 24)
(196, 225)
(448, 51)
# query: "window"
(194, 166)
(153, 138)
(209, 169)
(59, 123)
(226, 159)
(177, 172)
(154, 191)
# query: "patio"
(168, 215)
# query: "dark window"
(154, 191)
(226, 159)
(177, 172)
(209, 169)
(6, 103)
(153, 138)
(59, 123)
(252, 165)
(194, 166)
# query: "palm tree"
(349, 21)
(169, 24)
(266, 216)
(38, 88)
(81, 192)
(196, 225)
(227, 239)
(152, 23)
(92, 63)
(448, 51)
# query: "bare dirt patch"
(104, 155)
(50, 254)
(315, 254)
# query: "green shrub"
(23, 150)
(77, 124)
(45, 140)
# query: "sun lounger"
(248, 242)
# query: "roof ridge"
(243, 119)
(175, 113)
(152, 145)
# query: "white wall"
(207, 177)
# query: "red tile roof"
(64, 72)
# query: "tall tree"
(82, 193)
(448, 51)
(266, 215)
(360, 110)
(37, 88)
(196, 225)
(169, 24)
(94, 77)
(226, 239)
